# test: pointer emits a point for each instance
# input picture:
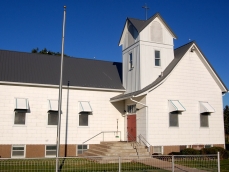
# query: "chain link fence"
(157, 163)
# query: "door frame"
(133, 114)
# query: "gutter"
(56, 86)
(225, 93)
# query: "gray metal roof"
(178, 54)
(141, 24)
(45, 69)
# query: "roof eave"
(120, 39)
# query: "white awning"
(52, 105)
(85, 106)
(175, 105)
(206, 107)
(21, 103)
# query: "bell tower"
(147, 49)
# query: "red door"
(131, 127)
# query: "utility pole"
(146, 8)
(60, 97)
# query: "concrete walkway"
(167, 165)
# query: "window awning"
(206, 107)
(175, 105)
(85, 106)
(21, 104)
(52, 105)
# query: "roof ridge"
(156, 14)
(185, 44)
(69, 57)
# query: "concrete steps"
(111, 149)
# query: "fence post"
(172, 163)
(218, 158)
(119, 164)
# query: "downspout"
(223, 94)
(146, 115)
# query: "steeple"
(147, 49)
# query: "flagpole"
(60, 97)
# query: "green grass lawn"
(72, 165)
(224, 165)
(87, 165)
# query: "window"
(50, 150)
(19, 118)
(81, 149)
(131, 61)
(207, 146)
(18, 151)
(204, 120)
(131, 108)
(21, 107)
(157, 149)
(157, 58)
(173, 119)
(83, 119)
(52, 118)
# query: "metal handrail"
(132, 138)
(144, 141)
(135, 142)
(103, 136)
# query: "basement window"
(81, 149)
(50, 150)
(18, 151)
(207, 146)
(157, 150)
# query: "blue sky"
(93, 27)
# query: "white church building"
(170, 97)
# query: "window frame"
(134, 107)
(50, 150)
(174, 113)
(130, 61)
(82, 150)
(24, 151)
(52, 113)
(207, 117)
(161, 147)
(88, 119)
(20, 112)
(208, 146)
(155, 58)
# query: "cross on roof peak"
(146, 8)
